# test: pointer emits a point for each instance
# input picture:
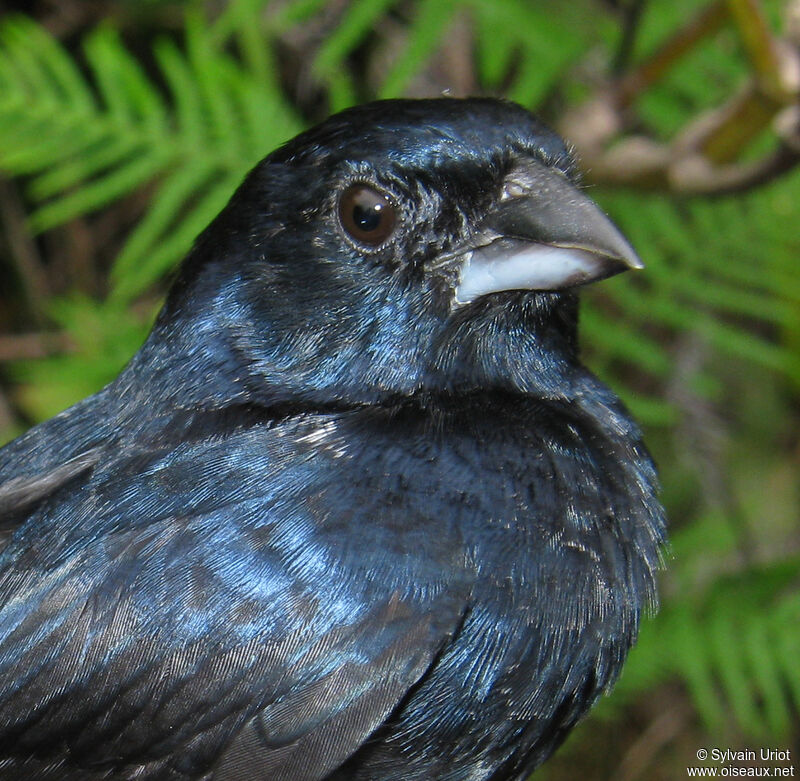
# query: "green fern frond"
(702, 274)
(423, 36)
(545, 45)
(734, 643)
(87, 143)
(103, 336)
(359, 19)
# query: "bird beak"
(544, 235)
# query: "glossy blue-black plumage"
(327, 524)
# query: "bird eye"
(366, 214)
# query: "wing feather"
(211, 608)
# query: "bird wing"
(50, 455)
(222, 603)
(310, 733)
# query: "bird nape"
(355, 510)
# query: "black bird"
(355, 510)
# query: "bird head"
(399, 249)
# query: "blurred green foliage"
(160, 119)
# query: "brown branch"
(7, 418)
(20, 347)
(761, 47)
(701, 159)
(664, 729)
(22, 251)
(706, 23)
(632, 15)
(696, 177)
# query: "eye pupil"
(367, 219)
(366, 214)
